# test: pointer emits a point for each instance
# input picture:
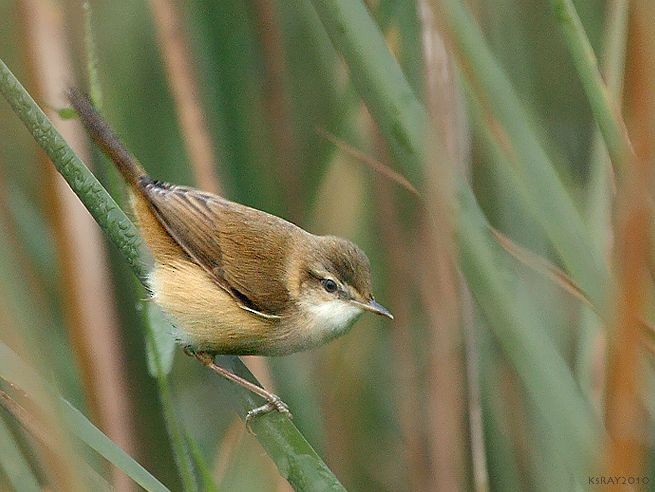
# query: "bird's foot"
(273, 404)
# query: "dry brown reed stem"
(58, 464)
(374, 164)
(394, 242)
(439, 281)
(276, 102)
(625, 416)
(333, 381)
(543, 267)
(180, 71)
(48, 449)
(88, 304)
(407, 394)
(476, 426)
(36, 428)
(29, 423)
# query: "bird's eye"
(329, 285)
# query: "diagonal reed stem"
(294, 457)
(112, 220)
(606, 110)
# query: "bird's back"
(244, 249)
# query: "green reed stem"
(294, 457)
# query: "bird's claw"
(274, 404)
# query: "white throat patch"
(331, 318)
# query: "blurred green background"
(433, 401)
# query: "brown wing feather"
(245, 251)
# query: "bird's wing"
(243, 249)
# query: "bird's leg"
(273, 402)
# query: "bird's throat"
(329, 319)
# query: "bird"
(235, 280)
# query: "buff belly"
(206, 317)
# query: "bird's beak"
(376, 308)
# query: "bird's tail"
(105, 138)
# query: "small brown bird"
(236, 280)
